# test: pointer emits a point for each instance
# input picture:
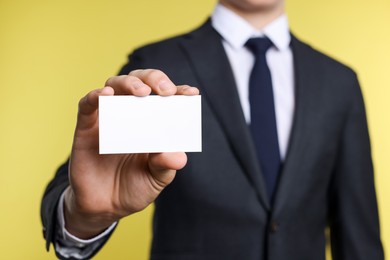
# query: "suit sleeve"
(50, 201)
(354, 222)
(60, 182)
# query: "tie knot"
(259, 45)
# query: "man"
(238, 199)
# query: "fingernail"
(165, 85)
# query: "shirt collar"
(236, 31)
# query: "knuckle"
(129, 80)
(185, 87)
(135, 72)
(155, 75)
(110, 80)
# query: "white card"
(151, 124)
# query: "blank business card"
(151, 124)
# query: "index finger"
(157, 80)
(128, 85)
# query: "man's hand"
(105, 188)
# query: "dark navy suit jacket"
(216, 208)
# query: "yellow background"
(53, 52)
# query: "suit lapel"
(305, 79)
(212, 68)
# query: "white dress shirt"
(235, 32)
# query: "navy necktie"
(263, 120)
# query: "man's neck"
(257, 18)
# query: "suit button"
(274, 226)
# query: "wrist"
(81, 223)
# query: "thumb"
(88, 107)
(163, 166)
